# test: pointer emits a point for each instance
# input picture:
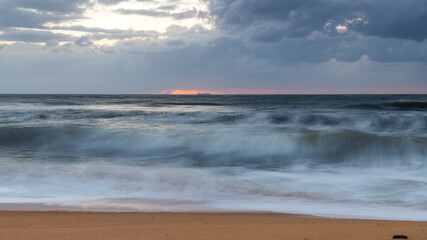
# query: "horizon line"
(213, 94)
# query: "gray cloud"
(167, 7)
(47, 72)
(156, 13)
(272, 20)
(32, 16)
(84, 41)
(58, 6)
(227, 52)
(112, 2)
(278, 44)
(118, 34)
(33, 36)
(12, 16)
(395, 19)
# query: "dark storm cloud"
(405, 19)
(270, 20)
(156, 13)
(273, 20)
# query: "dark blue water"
(337, 155)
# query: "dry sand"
(234, 226)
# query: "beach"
(213, 119)
(145, 225)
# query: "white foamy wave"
(358, 156)
(132, 186)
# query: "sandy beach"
(100, 225)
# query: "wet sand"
(234, 226)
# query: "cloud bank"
(322, 46)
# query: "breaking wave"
(399, 105)
(268, 149)
(360, 156)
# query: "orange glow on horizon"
(401, 90)
(229, 91)
(185, 92)
(189, 92)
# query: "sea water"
(361, 156)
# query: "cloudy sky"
(220, 46)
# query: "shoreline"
(83, 225)
(156, 207)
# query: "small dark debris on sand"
(400, 237)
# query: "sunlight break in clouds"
(145, 15)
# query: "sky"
(216, 46)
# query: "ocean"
(357, 156)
